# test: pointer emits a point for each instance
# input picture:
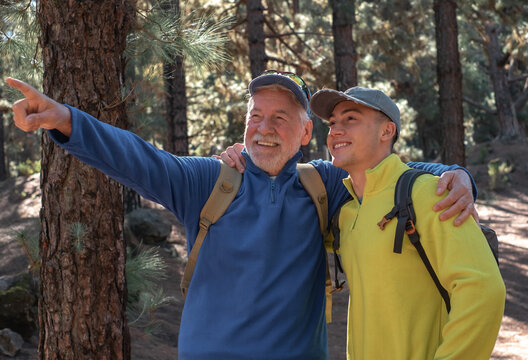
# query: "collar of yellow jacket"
(383, 175)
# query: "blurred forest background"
(176, 73)
(390, 45)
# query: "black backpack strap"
(338, 285)
(404, 209)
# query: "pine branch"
(479, 105)
(518, 78)
(235, 6)
(287, 22)
(282, 61)
(305, 63)
(197, 37)
(273, 36)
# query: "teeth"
(264, 143)
(340, 145)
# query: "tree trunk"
(508, 125)
(176, 99)
(449, 74)
(3, 168)
(345, 55)
(82, 275)
(257, 48)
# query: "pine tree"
(82, 283)
(449, 73)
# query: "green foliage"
(483, 154)
(28, 167)
(21, 57)
(498, 171)
(78, 232)
(141, 312)
(143, 273)
(163, 34)
(30, 244)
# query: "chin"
(338, 163)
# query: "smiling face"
(359, 137)
(276, 127)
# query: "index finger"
(21, 86)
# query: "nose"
(335, 130)
(266, 126)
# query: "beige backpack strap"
(224, 192)
(313, 184)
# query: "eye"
(254, 117)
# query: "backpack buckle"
(382, 222)
(409, 227)
(204, 224)
(338, 288)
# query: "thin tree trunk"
(82, 277)
(3, 168)
(345, 55)
(176, 99)
(508, 125)
(257, 49)
(449, 74)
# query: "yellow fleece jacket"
(395, 310)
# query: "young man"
(395, 310)
(258, 289)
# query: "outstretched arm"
(37, 110)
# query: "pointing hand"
(37, 110)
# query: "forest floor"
(505, 210)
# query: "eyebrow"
(281, 111)
(348, 110)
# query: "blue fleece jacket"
(258, 287)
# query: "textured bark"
(449, 75)
(176, 99)
(82, 281)
(257, 49)
(508, 125)
(3, 168)
(345, 55)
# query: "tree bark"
(82, 277)
(176, 99)
(345, 55)
(257, 48)
(508, 125)
(449, 75)
(3, 168)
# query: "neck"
(358, 181)
(357, 173)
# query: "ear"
(307, 133)
(388, 130)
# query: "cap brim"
(288, 83)
(324, 101)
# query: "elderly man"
(258, 290)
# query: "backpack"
(404, 210)
(224, 192)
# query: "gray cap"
(270, 79)
(324, 101)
